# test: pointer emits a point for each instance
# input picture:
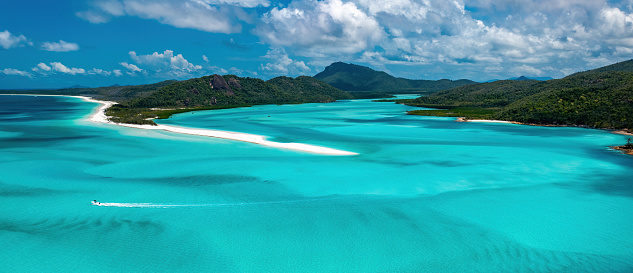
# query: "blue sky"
(54, 44)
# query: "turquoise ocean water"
(425, 194)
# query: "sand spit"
(99, 116)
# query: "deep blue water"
(424, 194)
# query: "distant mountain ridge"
(352, 77)
(524, 78)
(77, 86)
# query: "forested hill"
(232, 90)
(600, 98)
(351, 77)
(626, 66)
(219, 92)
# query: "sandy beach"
(623, 132)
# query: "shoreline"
(613, 131)
(98, 115)
(617, 132)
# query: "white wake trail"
(169, 205)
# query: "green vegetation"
(220, 92)
(486, 95)
(377, 84)
(470, 112)
(601, 98)
(232, 90)
(124, 114)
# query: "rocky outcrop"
(217, 82)
(235, 83)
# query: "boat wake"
(170, 205)
(142, 205)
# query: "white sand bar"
(99, 116)
(488, 121)
(257, 139)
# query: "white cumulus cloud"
(239, 3)
(218, 16)
(330, 26)
(8, 40)
(166, 63)
(479, 36)
(59, 67)
(61, 46)
(283, 64)
(131, 67)
(16, 72)
(97, 71)
(43, 67)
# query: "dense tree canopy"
(232, 90)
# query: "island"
(601, 98)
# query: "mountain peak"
(353, 77)
(77, 86)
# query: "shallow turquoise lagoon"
(424, 194)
